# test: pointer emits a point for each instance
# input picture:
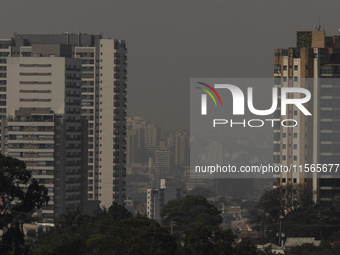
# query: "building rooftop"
(297, 241)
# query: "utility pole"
(280, 235)
(172, 226)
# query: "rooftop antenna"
(317, 27)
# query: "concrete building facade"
(43, 127)
(316, 139)
(103, 75)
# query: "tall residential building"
(164, 162)
(180, 143)
(157, 198)
(135, 140)
(143, 139)
(103, 101)
(316, 139)
(43, 125)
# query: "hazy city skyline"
(169, 42)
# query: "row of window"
(35, 74)
(297, 54)
(276, 158)
(35, 82)
(284, 157)
(284, 180)
(35, 91)
(35, 65)
(277, 147)
(35, 100)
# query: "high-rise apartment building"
(313, 64)
(164, 162)
(103, 101)
(43, 125)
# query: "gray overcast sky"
(171, 41)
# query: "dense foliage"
(187, 211)
(112, 231)
(298, 216)
(20, 195)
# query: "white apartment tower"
(103, 101)
(43, 126)
(312, 64)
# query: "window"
(284, 135)
(295, 113)
(295, 157)
(296, 67)
(295, 146)
(284, 67)
(284, 146)
(283, 157)
(277, 69)
(295, 135)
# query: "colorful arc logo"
(209, 93)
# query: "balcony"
(30, 138)
(30, 155)
(30, 146)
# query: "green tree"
(245, 248)
(189, 210)
(112, 231)
(292, 205)
(20, 196)
(207, 240)
(69, 236)
(223, 240)
(198, 240)
(107, 217)
(140, 235)
(310, 249)
(71, 219)
(228, 218)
